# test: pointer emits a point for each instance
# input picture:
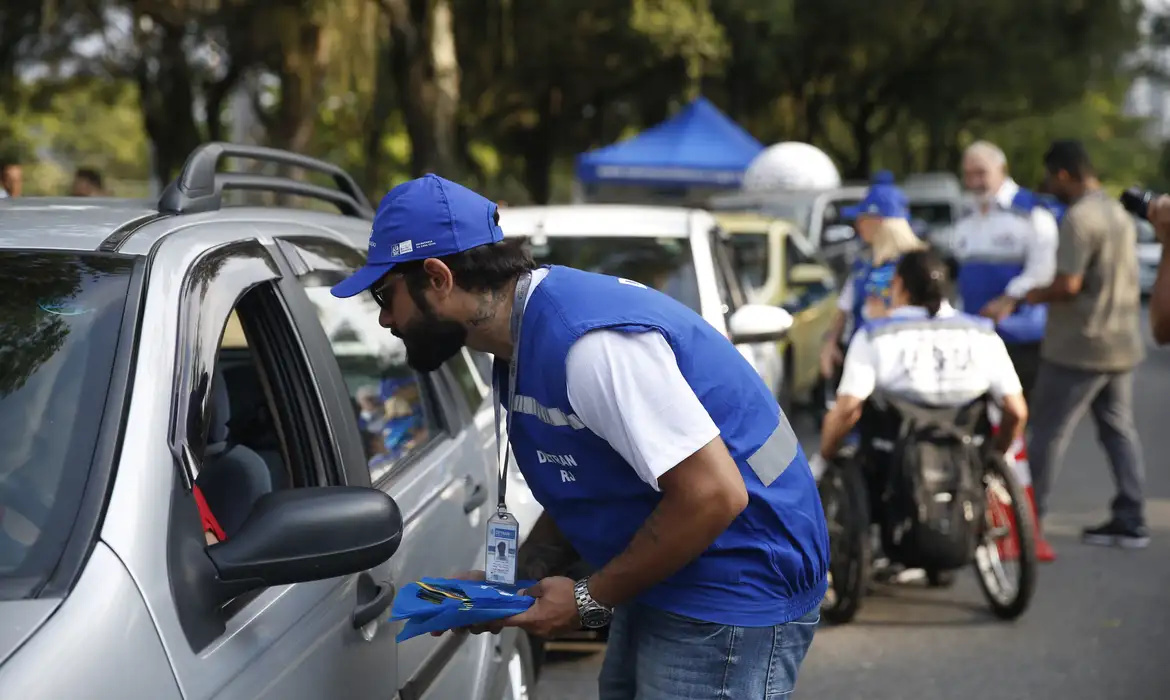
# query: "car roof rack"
(199, 187)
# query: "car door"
(417, 448)
(834, 238)
(281, 642)
(812, 306)
(765, 356)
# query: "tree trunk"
(863, 141)
(380, 111)
(540, 148)
(426, 71)
(166, 97)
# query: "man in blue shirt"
(654, 447)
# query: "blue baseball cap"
(883, 199)
(424, 218)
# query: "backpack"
(931, 500)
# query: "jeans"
(1060, 398)
(656, 655)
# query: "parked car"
(675, 250)
(777, 265)
(1149, 255)
(935, 204)
(153, 351)
(817, 213)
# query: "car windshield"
(60, 320)
(749, 256)
(666, 264)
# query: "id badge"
(503, 537)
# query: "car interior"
(244, 457)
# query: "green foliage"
(903, 84)
(81, 123)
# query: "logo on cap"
(401, 248)
(874, 208)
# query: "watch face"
(592, 619)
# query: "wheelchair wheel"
(1005, 557)
(846, 503)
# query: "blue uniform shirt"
(985, 276)
(769, 566)
(870, 280)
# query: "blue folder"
(438, 604)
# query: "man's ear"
(440, 280)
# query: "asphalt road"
(1098, 627)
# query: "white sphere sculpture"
(791, 165)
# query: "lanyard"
(518, 304)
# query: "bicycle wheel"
(846, 503)
(1005, 557)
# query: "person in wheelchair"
(916, 385)
(926, 353)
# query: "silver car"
(213, 474)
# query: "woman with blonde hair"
(882, 220)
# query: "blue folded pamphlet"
(437, 604)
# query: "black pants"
(1026, 359)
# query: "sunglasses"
(382, 291)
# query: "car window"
(666, 264)
(396, 407)
(749, 256)
(252, 428)
(60, 319)
(926, 218)
(730, 291)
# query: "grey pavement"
(1098, 627)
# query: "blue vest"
(870, 281)
(769, 566)
(981, 281)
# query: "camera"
(1137, 201)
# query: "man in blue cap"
(658, 452)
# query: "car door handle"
(374, 598)
(477, 495)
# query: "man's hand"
(493, 627)
(831, 358)
(999, 308)
(554, 611)
(1159, 216)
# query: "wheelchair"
(856, 491)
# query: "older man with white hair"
(1004, 248)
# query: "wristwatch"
(594, 615)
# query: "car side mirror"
(759, 323)
(838, 233)
(807, 275)
(308, 534)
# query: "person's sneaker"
(1114, 534)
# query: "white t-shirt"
(933, 363)
(628, 389)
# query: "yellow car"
(777, 265)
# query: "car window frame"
(206, 302)
(435, 394)
(728, 282)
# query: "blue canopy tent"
(698, 147)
